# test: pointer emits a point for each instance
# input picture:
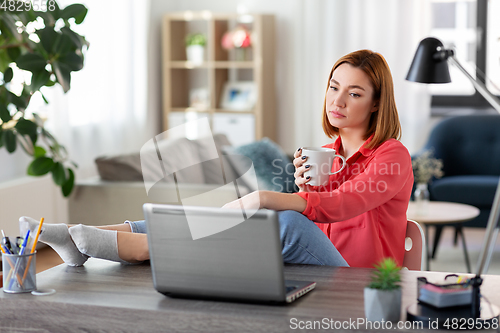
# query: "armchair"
(469, 147)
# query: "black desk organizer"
(477, 315)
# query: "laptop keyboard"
(290, 288)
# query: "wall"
(12, 165)
(311, 35)
(34, 197)
(287, 50)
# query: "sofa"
(188, 175)
(469, 147)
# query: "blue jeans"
(302, 242)
(138, 227)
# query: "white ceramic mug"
(321, 161)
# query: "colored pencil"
(33, 248)
(37, 235)
(11, 268)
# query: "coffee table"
(443, 213)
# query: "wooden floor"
(450, 257)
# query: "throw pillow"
(179, 155)
(122, 167)
(208, 147)
(273, 168)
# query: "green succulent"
(386, 275)
(196, 39)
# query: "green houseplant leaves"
(50, 52)
(195, 39)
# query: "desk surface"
(103, 296)
(440, 212)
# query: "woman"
(362, 211)
(356, 220)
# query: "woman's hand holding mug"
(317, 170)
(300, 168)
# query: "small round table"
(442, 213)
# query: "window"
(470, 28)
(493, 48)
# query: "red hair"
(385, 121)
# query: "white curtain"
(330, 29)
(106, 110)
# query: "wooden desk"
(104, 296)
(443, 213)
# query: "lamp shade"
(429, 65)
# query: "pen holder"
(19, 272)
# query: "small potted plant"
(195, 47)
(383, 294)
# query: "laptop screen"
(243, 259)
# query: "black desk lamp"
(430, 65)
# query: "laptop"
(215, 253)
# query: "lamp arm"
(480, 87)
(490, 235)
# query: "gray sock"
(97, 243)
(57, 237)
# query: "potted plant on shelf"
(195, 47)
(383, 294)
(425, 166)
(38, 49)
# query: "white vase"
(382, 304)
(422, 197)
(195, 54)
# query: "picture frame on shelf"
(239, 96)
(199, 98)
